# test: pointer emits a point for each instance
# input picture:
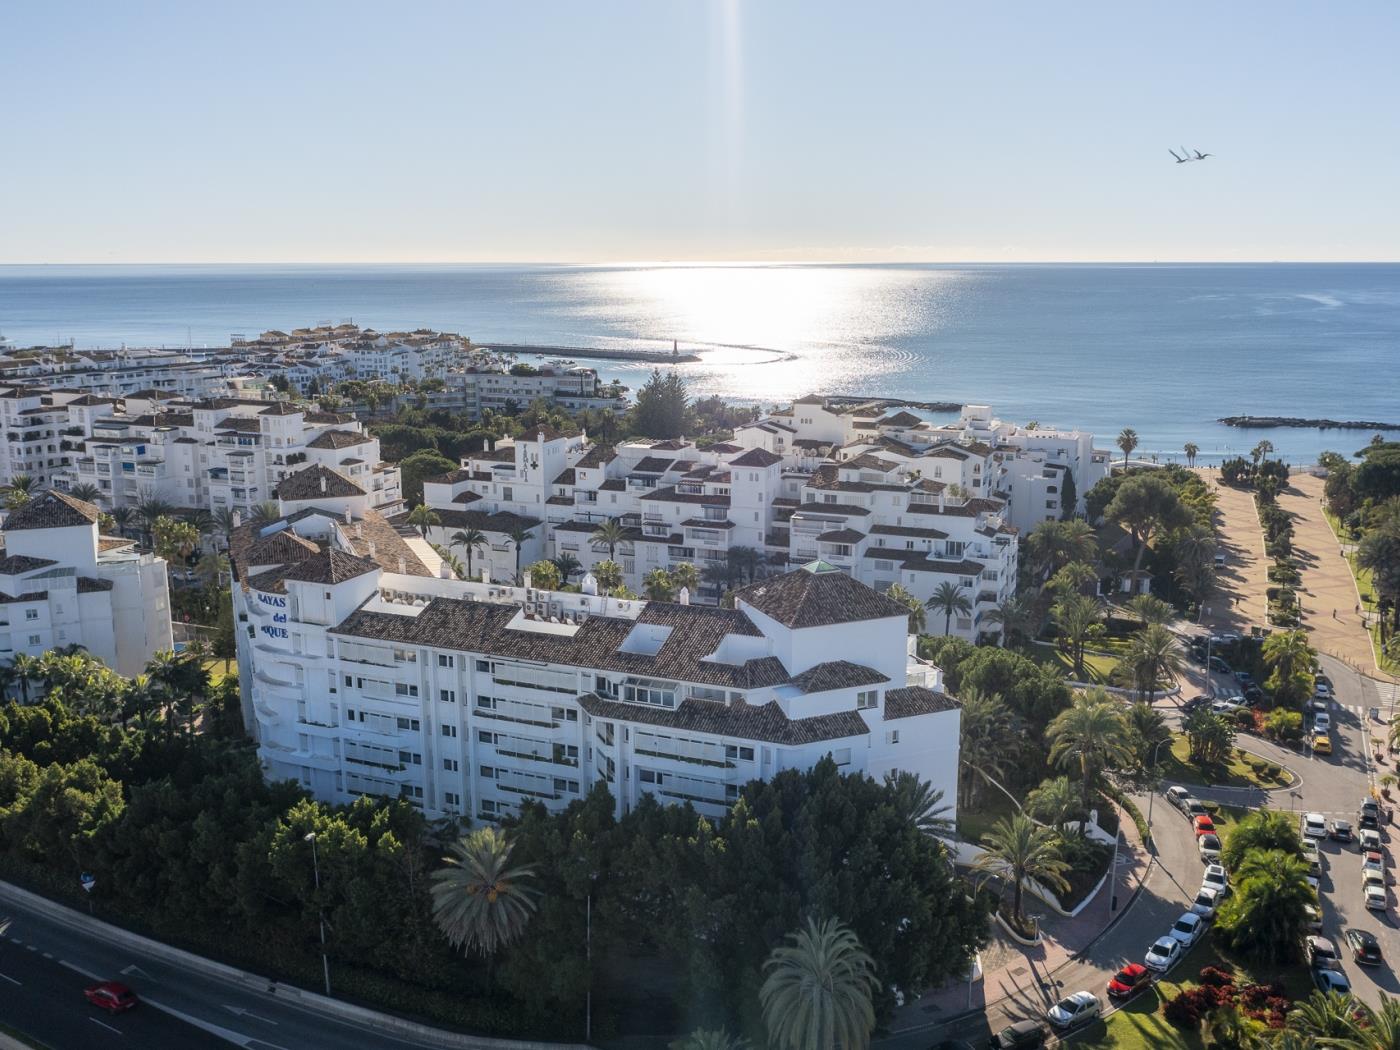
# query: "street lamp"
(1152, 795)
(316, 870)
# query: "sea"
(1164, 349)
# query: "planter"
(1011, 932)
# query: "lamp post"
(316, 871)
(1152, 795)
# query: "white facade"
(63, 584)
(470, 698)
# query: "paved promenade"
(1240, 601)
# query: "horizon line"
(754, 263)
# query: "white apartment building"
(61, 583)
(364, 674)
(215, 453)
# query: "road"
(52, 961)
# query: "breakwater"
(1304, 424)
(660, 357)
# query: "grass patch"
(1048, 655)
(1235, 773)
(1366, 588)
(975, 822)
(217, 670)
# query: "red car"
(112, 996)
(1132, 978)
(1204, 826)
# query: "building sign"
(274, 632)
(275, 600)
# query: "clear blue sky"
(651, 130)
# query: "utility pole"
(316, 870)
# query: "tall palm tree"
(567, 565)
(1325, 1015)
(1127, 441)
(918, 617)
(21, 489)
(518, 535)
(1056, 802)
(658, 585)
(1090, 735)
(1287, 653)
(1191, 449)
(85, 491)
(264, 513)
(746, 561)
(223, 518)
(609, 577)
(480, 902)
(423, 517)
(201, 519)
(1261, 451)
(1376, 1029)
(121, 518)
(26, 669)
(948, 598)
(819, 989)
(1150, 609)
(471, 539)
(1077, 622)
(1147, 728)
(1154, 654)
(1017, 617)
(986, 726)
(918, 802)
(212, 568)
(1019, 849)
(608, 536)
(684, 574)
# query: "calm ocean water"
(1165, 349)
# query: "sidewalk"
(1241, 600)
(1012, 973)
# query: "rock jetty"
(1312, 424)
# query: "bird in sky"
(1179, 160)
(1201, 156)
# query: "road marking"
(109, 1028)
(241, 1012)
(209, 1026)
(135, 971)
(31, 947)
(47, 955)
(79, 969)
(7, 977)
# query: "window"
(31, 614)
(33, 639)
(746, 753)
(410, 758)
(866, 699)
(410, 724)
(487, 806)
(488, 772)
(447, 696)
(449, 764)
(485, 702)
(450, 798)
(560, 784)
(484, 666)
(349, 681)
(646, 776)
(892, 737)
(842, 756)
(444, 660)
(410, 791)
(403, 689)
(449, 731)
(485, 737)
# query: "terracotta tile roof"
(466, 497)
(14, 564)
(845, 510)
(113, 543)
(653, 465)
(596, 457)
(613, 485)
(487, 521)
(315, 482)
(911, 700)
(566, 477)
(282, 408)
(841, 536)
(818, 595)
(331, 566)
(670, 495)
(837, 674)
(450, 478)
(743, 721)
(89, 585)
(756, 457)
(337, 439)
(52, 510)
(901, 419)
(283, 547)
(906, 530)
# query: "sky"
(780, 130)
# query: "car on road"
(1321, 744)
(1203, 825)
(1074, 1010)
(1332, 981)
(1339, 830)
(1374, 860)
(1365, 949)
(1193, 808)
(1023, 1035)
(1163, 954)
(1216, 879)
(1207, 900)
(1313, 856)
(112, 996)
(1128, 981)
(1253, 696)
(1369, 814)
(1177, 795)
(1187, 928)
(1368, 840)
(1314, 917)
(1227, 708)
(1323, 954)
(1314, 826)
(1373, 891)
(1322, 722)
(1209, 848)
(1322, 689)
(1219, 665)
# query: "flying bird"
(1202, 156)
(1179, 160)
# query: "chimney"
(445, 571)
(347, 513)
(684, 596)
(371, 548)
(403, 566)
(485, 574)
(940, 501)
(529, 581)
(589, 584)
(237, 519)
(323, 484)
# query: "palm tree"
(85, 491)
(1019, 849)
(212, 568)
(609, 535)
(819, 989)
(480, 902)
(917, 616)
(948, 599)
(1056, 802)
(609, 577)
(658, 585)
(1147, 728)
(1016, 617)
(26, 670)
(518, 535)
(453, 563)
(1261, 451)
(1090, 734)
(1325, 1015)
(1264, 917)
(423, 517)
(121, 518)
(1287, 653)
(1077, 622)
(1127, 441)
(264, 513)
(567, 565)
(19, 491)
(1191, 449)
(685, 575)
(1154, 654)
(745, 561)
(1375, 1029)
(918, 802)
(1150, 609)
(986, 726)
(472, 539)
(224, 523)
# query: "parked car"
(1332, 981)
(1194, 807)
(1216, 879)
(1368, 840)
(1219, 560)
(1207, 900)
(112, 996)
(1243, 676)
(1228, 707)
(1074, 1010)
(1131, 979)
(1339, 830)
(1163, 954)
(1374, 860)
(1209, 848)
(1323, 954)
(1321, 744)
(1322, 689)
(1217, 664)
(1254, 696)
(1023, 1035)
(1177, 795)
(1322, 722)
(1373, 891)
(1365, 949)
(1314, 826)
(1313, 856)
(1187, 928)
(1314, 917)
(1203, 825)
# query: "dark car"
(1254, 695)
(1365, 949)
(1370, 814)
(112, 996)
(1217, 664)
(1023, 1035)
(1131, 979)
(1194, 703)
(1339, 830)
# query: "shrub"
(1189, 1006)
(1216, 977)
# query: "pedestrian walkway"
(1328, 595)
(1240, 600)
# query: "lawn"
(1367, 591)
(1049, 655)
(215, 667)
(991, 806)
(1236, 773)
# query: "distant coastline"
(1262, 422)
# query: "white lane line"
(79, 969)
(47, 955)
(31, 947)
(109, 1028)
(7, 977)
